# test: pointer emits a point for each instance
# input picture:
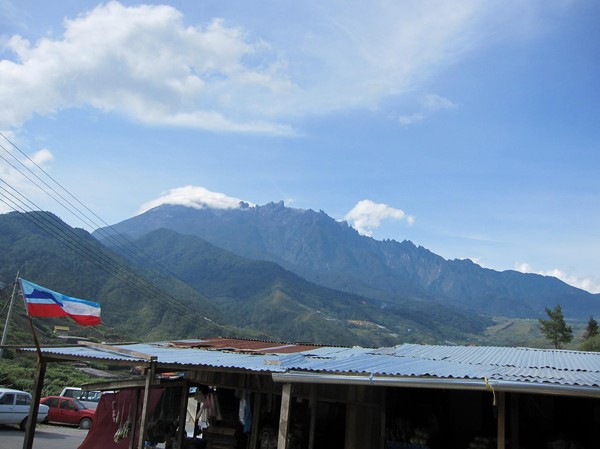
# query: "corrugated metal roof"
(167, 353)
(560, 367)
(465, 362)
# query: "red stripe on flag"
(86, 320)
(47, 310)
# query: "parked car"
(71, 392)
(65, 410)
(89, 398)
(14, 408)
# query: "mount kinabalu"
(261, 296)
(214, 292)
(332, 254)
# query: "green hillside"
(172, 286)
(525, 333)
(330, 253)
(46, 251)
(262, 295)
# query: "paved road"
(46, 437)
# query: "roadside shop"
(221, 393)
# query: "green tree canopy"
(555, 328)
(591, 344)
(591, 329)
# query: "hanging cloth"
(245, 411)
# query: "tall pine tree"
(555, 328)
(591, 329)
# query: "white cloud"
(411, 119)
(145, 63)
(40, 158)
(367, 215)
(429, 104)
(588, 283)
(18, 177)
(523, 267)
(196, 197)
(433, 102)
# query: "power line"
(75, 211)
(58, 230)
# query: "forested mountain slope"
(264, 296)
(332, 254)
(180, 286)
(44, 250)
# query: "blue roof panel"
(409, 360)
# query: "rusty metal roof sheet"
(244, 345)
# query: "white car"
(89, 398)
(14, 408)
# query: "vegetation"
(20, 373)
(591, 344)
(555, 328)
(134, 303)
(332, 254)
(207, 291)
(591, 336)
(513, 332)
(591, 329)
(264, 297)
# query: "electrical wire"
(66, 235)
(124, 244)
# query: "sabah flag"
(40, 301)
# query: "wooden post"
(182, 415)
(363, 417)
(134, 418)
(514, 419)
(313, 404)
(255, 420)
(33, 407)
(383, 420)
(145, 410)
(37, 388)
(501, 420)
(284, 416)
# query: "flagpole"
(10, 306)
(38, 382)
(35, 339)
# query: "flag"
(41, 301)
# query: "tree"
(591, 337)
(555, 329)
(591, 344)
(591, 329)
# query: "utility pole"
(10, 306)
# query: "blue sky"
(469, 127)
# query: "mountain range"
(270, 272)
(45, 250)
(333, 254)
(169, 285)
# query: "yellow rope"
(489, 387)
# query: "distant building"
(61, 330)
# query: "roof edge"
(441, 383)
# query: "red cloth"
(102, 433)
